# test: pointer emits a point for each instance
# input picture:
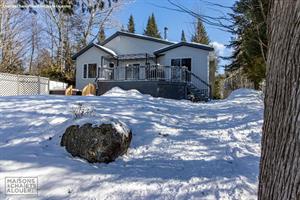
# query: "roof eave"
(174, 46)
(75, 56)
(118, 33)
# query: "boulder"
(97, 143)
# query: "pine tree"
(151, 28)
(200, 35)
(131, 25)
(250, 45)
(101, 36)
(183, 39)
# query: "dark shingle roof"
(188, 44)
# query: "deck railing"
(155, 72)
(150, 72)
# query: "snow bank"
(179, 150)
(244, 93)
(118, 92)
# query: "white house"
(133, 61)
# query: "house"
(150, 65)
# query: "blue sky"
(176, 21)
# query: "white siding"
(129, 45)
(93, 55)
(199, 59)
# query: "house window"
(92, 71)
(187, 62)
(175, 62)
(89, 70)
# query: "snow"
(179, 150)
(107, 49)
(120, 126)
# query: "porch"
(159, 81)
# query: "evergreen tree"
(131, 25)
(151, 28)
(101, 36)
(183, 39)
(250, 45)
(200, 35)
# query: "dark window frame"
(89, 72)
(85, 71)
(179, 62)
(176, 62)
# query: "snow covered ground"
(180, 150)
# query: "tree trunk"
(279, 177)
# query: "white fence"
(12, 84)
(55, 85)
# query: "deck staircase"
(195, 95)
(197, 89)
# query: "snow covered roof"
(139, 36)
(188, 44)
(105, 49)
(172, 45)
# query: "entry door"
(187, 62)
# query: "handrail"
(197, 77)
(190, 75)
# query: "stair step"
(197, 94)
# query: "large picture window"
(187, 62)
(90, 70)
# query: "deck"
(159, 81)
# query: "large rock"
(97, 143)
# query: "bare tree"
(87, 25)
(34, 40)
(12, 38)
(280, 160)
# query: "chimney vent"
(166, 33)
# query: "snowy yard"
(180, 150)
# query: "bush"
(80, 110)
